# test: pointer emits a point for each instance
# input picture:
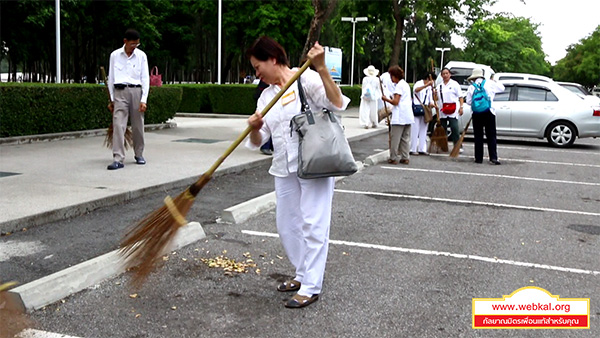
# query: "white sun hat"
(477, 73)
(371, 71)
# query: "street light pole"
(354, 21)
(442, 50)
(406, 40)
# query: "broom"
(387, 116)
(456, 150)
(12, 315)
(438, 137)
(108, 140)
(143, 245)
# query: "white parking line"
(538, 162)
(451, 200)
(32, 333)
(491, 175)
(444, 254)
(553, 150)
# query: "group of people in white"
(408, 121)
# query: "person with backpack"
(480, 96)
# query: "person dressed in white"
(371, 93)
(486, 119)
(422, 94)
(402, 117)
(451, 104)
(303, 211)
(128, 85)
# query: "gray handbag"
(323, 149)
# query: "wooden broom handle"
(264, 112)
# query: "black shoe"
(267, 151)
(115, 165)
(495, 162)
(478, 161)
(139, 160)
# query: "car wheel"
(561, 134)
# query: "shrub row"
(34, 108)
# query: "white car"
(530, 108)
(596, 91)
(521, 76)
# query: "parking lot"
(411, 246)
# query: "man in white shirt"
(128, 84)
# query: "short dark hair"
(265, 48)
(397, 72)
(131, 35)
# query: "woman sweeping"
(303, 212)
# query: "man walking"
(128, 84)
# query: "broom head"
(108, 140)
(12, 314)
(145, 244)
(439, 140)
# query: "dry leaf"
(133, 295)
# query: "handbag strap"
(305, 107)
(153, 71)
(441, 95)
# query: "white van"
(596, 91)
(521, 76)
(461, 70)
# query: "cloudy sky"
(562, 23)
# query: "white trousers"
(418, 135)
(303, 220)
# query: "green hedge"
(35, 108)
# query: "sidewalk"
(52, 180)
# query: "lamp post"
(442, 50)
(406, 40)
(354, 21)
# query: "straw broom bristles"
(12, 317)
(146, 242)
(456, 150)
(438, 139)
(108, 140)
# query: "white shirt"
(277, 121)
(132, 69)
(491, 88)
(424, 95)
(451, 93)
(402, 113)
(388, 85)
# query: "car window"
(535, 94)
(510, 78)
(504, 95)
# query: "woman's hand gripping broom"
(108, 140)
(144, 244)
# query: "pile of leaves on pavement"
(230, 266)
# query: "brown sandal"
(299, 301)
(289, 285)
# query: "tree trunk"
(399, 29)
(323, 10)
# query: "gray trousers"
(401, 141)
(126, 106)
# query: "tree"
(582, 62)
(508, 44)
(323, 9)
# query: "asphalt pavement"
(411, 245)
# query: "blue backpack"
(481, 101)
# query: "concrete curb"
(256, 206)
(47, 290)
(377, 158)
(73, 134)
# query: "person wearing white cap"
(371, 93)
(485, 119)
